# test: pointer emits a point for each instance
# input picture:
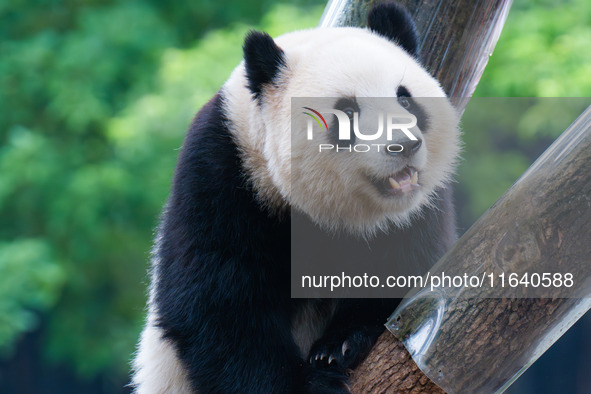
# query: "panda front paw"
(343, 352)
(337, 355)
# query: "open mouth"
(400, 183)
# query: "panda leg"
(246, 350)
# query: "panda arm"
(222, 265)
(354, 329)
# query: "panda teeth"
(414, 179)
(395, 185)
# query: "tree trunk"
(389, 368)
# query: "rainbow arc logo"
(316, 118)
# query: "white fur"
(334, 191)
(310, 321)
(156, 366)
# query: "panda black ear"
(263, 60)
(395, 23)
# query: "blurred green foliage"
(542, 52)
(32, 279)
(95, 98)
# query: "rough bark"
(389, 368)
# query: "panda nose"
(409, 148)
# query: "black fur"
(263, 60)
(395, 23)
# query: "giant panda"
(220, 316)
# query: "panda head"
(348, 67)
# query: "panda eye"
(403, 94)
(404, 102)
(348, 105)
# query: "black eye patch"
(402, 91)
(411, 105)
(349, 106)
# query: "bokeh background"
(95, 98)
